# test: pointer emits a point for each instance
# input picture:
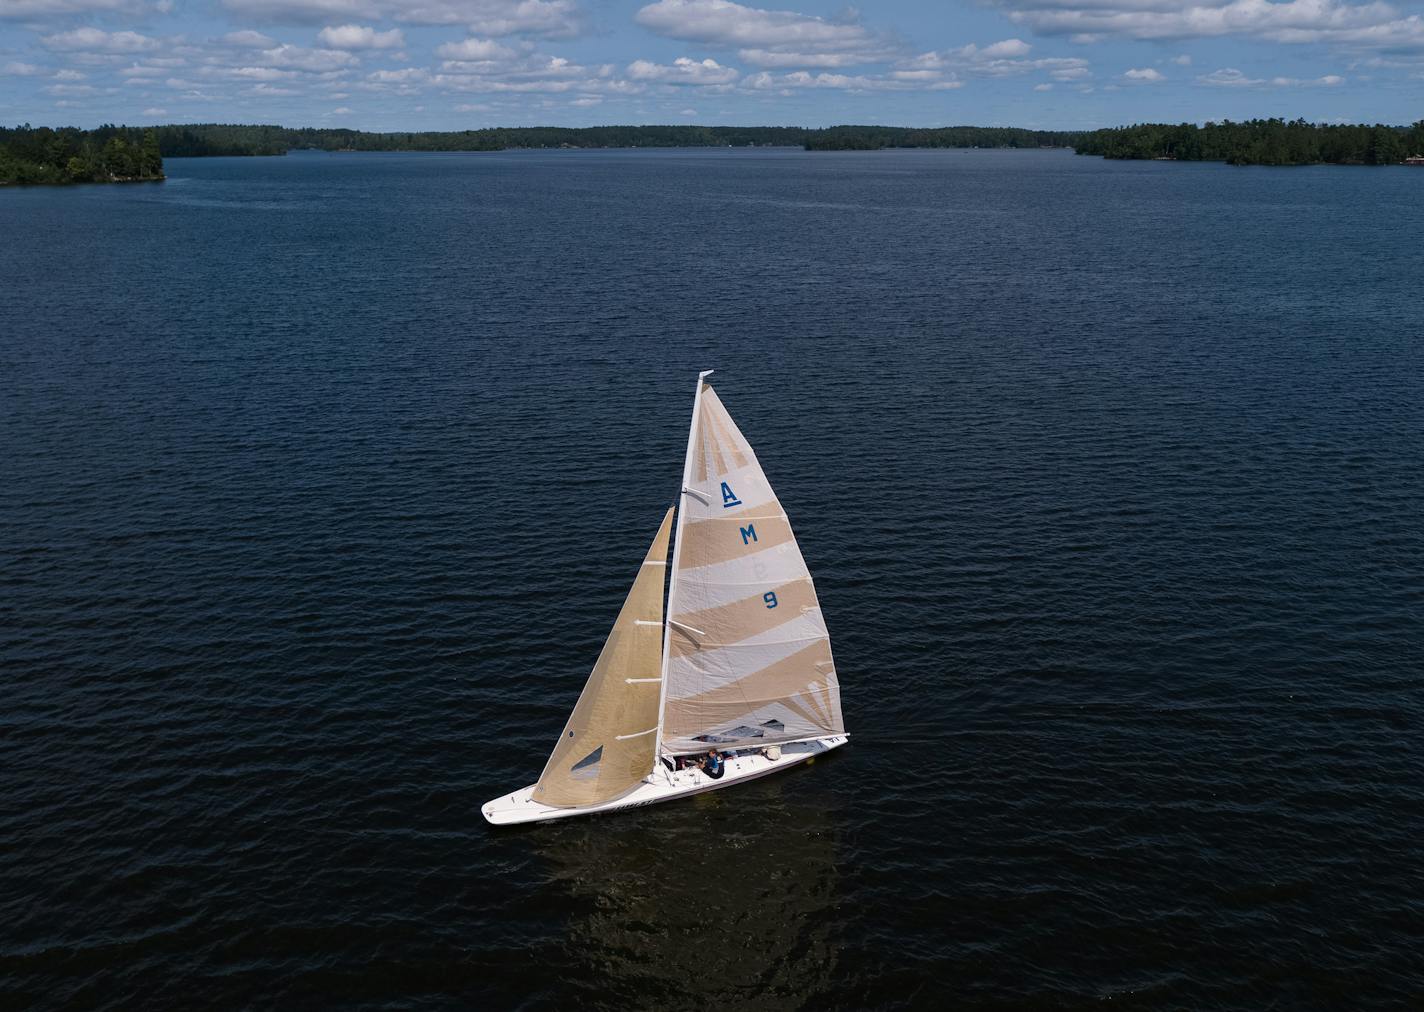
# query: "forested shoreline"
(108, 154)
(874, 138)
(200, 139)
(1251, 142)
(225, 139)
(1259, 142)
(129, 154)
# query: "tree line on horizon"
(68, 154)
(108, 154)
(1252, 142)
(200, 139)
(1259, 142)
(875, 138)
(231, 139)
(119, 154)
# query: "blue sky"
(457, 64)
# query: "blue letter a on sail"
(729, 498)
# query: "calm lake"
(324, 477)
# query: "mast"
(676, 557)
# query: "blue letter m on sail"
(748, 534)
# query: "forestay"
(609, 743)
(748, 659)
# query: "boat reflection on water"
(719, 900)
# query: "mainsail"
(608, 745)
(747, 659)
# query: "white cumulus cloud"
(359, 37)
(544, 18)
(474, 51)
(1144, 74)
(802, 79)
(1008, 58)
(1230, 77)
(1370, 24)
(767, 38)
(405, 75)
(683, 71)
(1007, 49)
(95, 40)
(250, 39)
(299, 58)
(43, 10)
(774, 58)
(250, 73)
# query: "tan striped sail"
(608, 745)
(748, 657)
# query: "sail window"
(586, 768)
(775, 725)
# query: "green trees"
(150, 158)
(1414, 139)
(870, 138)
(1256, 142)
(112, 153)
(198, 139)
(69, 155)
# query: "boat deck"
(662, 784)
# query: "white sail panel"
(748, 657)
(608, 746)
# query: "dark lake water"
(324, 477)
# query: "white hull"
(662, 785)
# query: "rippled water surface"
(324, 477)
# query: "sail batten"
(747, 658)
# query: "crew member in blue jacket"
(713, 765)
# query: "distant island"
(131, 154)
(1253, 142)
(68, 155)
(1260, 142)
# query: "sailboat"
(741, 662)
